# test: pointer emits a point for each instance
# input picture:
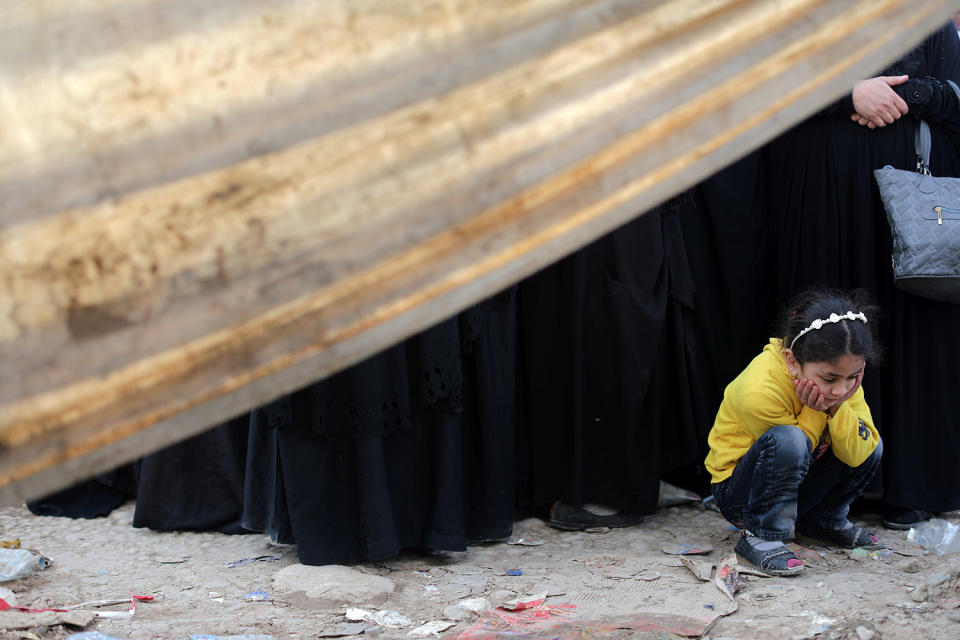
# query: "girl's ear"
(793, 367)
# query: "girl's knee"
(791, 440)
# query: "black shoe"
(897, 518)
(563, 516)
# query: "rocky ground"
(607, 584)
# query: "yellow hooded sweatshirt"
(763, 396)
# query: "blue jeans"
(778, 481)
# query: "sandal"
(775, 562)
(850, 538)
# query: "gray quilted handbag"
(924, 216)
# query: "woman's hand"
(876, 103)
(809, 394)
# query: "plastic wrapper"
(937, 536)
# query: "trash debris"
(711, 503)
(727, 577)
(8, 599)
(346, 629)
(525, 541)
(476, 605)
(238, 563)
(597, 530)
(10, 544)
(456, 612)
(702, 569)
(819, 624)
(20, 563)
(385, 618)
(91, 635)
(648, 576)
(936, 535)
(528, 602)
(858, 554)
(433, 628)
(83, 607)
(203, 636)
(256, 596)
(216, 596)
(671, 495)
(686, 549)
(514, 572)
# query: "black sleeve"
(929, 98)
(927, 93)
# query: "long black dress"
(195, 485)
(827, 226)
(612, 398)
(411, 448)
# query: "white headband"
(818, 323)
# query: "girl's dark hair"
(835, 339)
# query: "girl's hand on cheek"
(849, 394)
(809, 394)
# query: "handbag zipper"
(940, 211)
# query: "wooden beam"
(205, 206)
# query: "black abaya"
(412, 448)
(612, 399)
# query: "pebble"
(938, 579)
(953, 615)
(911, 566)
(865, 634)
(919, 594)
(333, 583)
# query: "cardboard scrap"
(527, 602)
(559, 622)
(12, 620)
(727, 577)
(432, 628)
(385, 618)
(702, 569)
(686, 549)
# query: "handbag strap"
(922, 139)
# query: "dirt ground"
(202, 584)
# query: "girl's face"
(835, 379)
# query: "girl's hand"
(856, 385)
(809, 394)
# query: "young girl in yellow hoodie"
(794, 443)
